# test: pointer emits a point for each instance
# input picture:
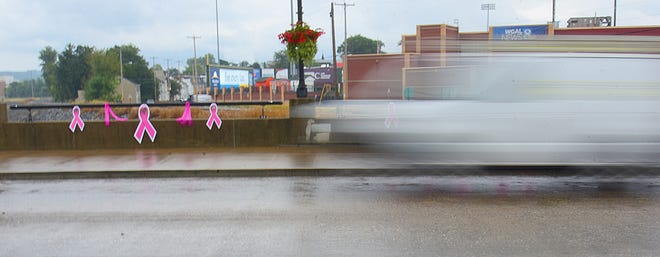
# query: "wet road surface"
(333, 216)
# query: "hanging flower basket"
(300, 42)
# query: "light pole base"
(301, 92)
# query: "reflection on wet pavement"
(334, 216)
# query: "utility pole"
(178, 69)
(153, 68)
(167, 79)
(345, 57)
(334, 50)
(194, 38)
(121, 74)
(301, 91)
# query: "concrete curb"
(427, 170)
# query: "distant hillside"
(22, 75)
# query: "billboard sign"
(319, 75)
(227, 78)
(282, 74)
(519, 32)
(268, 73)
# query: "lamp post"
(614, 13)
(487, 8)
(301, 91)
(334, 51)
(217, 30)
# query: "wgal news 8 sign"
(519, 32)
(228, 78)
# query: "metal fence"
(30, 107)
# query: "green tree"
(256, 65)
(173, 72)
(359, 44)
(103, 82)
(244, 64)
(73, 71)
(102, 87)
(175, 88)
(136, 69)
(27, 88)
(280, 60)
(48, 57)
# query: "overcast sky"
(249, 28)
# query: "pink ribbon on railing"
(144, 125)
(108, 113)
(76, 121)
(186, 118)
(391, 116)
(213, 117)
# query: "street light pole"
(614, 13)
(553, 12)
(217, 29)
(301, 91)
(334, 50)
(487, 8)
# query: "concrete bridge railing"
(119, 135)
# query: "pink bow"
(186, 118)
(76, 121)
(391, 116)
(144, 125)
(108, 113)
(213, 118)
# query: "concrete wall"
(233, 133)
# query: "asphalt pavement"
(332, 216)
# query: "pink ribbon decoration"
(108, 113)
(76, 121)
(186, 118)
(213, 117)
(144, 125)
(391, 116)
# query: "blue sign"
(215, 80)
(228, 77)
(519, 32)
